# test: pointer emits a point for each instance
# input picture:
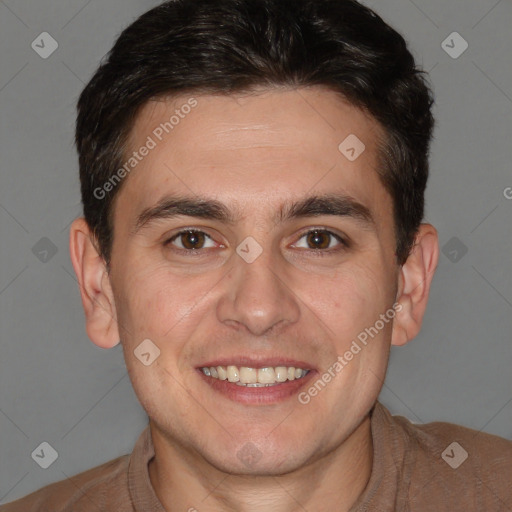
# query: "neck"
(333, 482)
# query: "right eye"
(189, 240)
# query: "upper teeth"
(244, 375)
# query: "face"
(245, 238)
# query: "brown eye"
(318, 239)
(192, 239)
(189, 240)
(321, 240)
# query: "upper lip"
(256, 362)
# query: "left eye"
(320, 239)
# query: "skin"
(255, 152)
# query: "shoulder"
(456, 445)
(93, 489)
(451, 460)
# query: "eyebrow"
(173, 206)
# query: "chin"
(268, 466)
(261, 458)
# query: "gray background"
(56, 386)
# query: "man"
(252, 176)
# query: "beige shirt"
(415, 468)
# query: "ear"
(95, 287)
(414, 285)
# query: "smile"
(255, 377)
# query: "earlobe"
(95, 287)
(414, 285)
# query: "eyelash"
(317, 252)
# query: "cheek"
(352, 300)
(161, 305)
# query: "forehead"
(253, 149)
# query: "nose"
(258, 296)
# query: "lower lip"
(255, 395)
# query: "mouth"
(258, 383)
(255, 377)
